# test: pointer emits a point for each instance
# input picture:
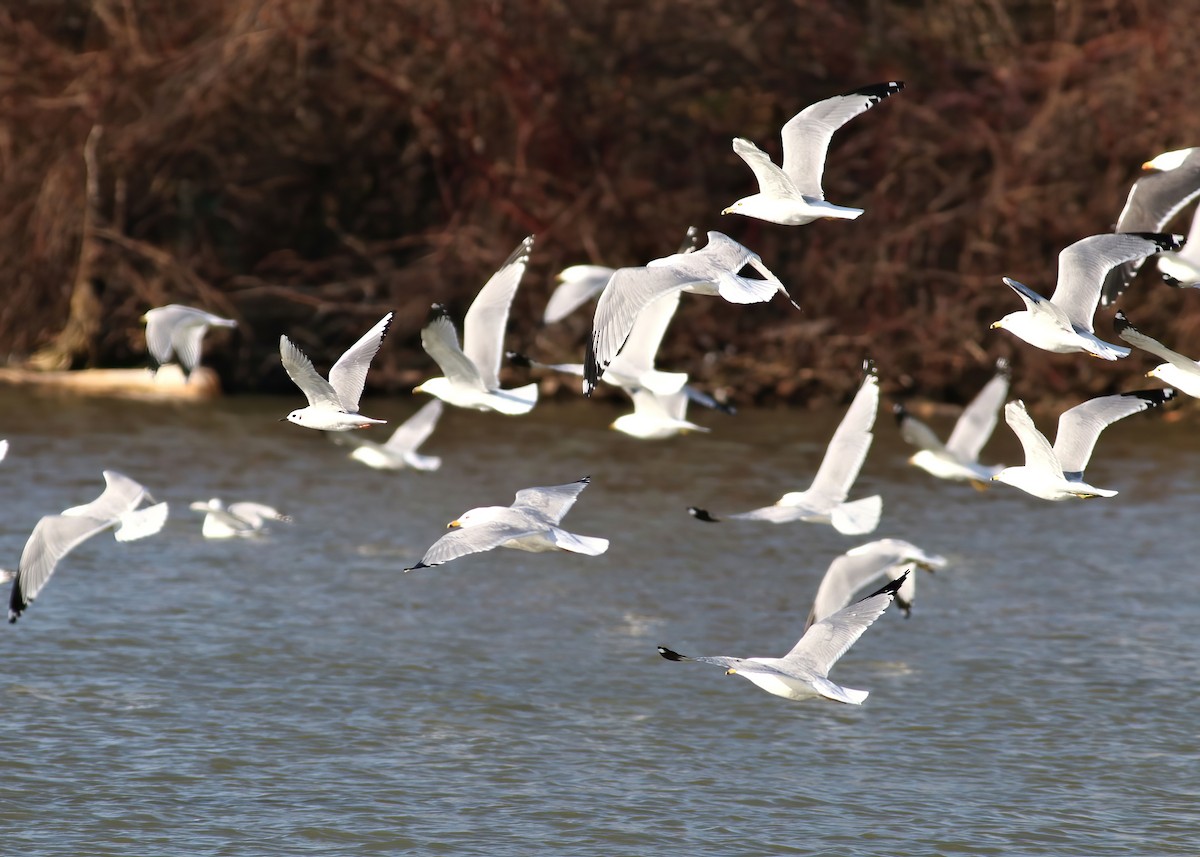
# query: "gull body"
(656, 417)
(178, 331)
(399, 452)
(803, 673)
(1180, 372)
(865, 566)
(958, 458)
(712, 270)
(470, 373)
(55, 536)
(333, 404)
(235, 520)
(791, 195)
(825, 500)
(1063, 323)
(531, 524)
(1056, 472)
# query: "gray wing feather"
(462, 542)
(829, 638)
(1038, 452)
(483, 327)
(349, 375)
(1079, 428)
(772, 181)
(416, 429)
(316, 389)
(1157, 197)
(52, 538)
(551, 502)
(1135, 337)
(978, 420)
(848, 449)
(1083, 266)
(646, 335)
(627, 293)
(121, 494)
(440, 342)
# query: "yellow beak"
(452, 525)
(995, 325)
(731, 671)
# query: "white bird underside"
(656, 417)
(804, 671)
(333, 404)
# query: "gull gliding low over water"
(531, 523)
(1180, 372)
(803, 672)
(825, 500)
(1056, 472)
(792, 195)
(399, 451)
(333, 404)
(863, 567)
(177, 330)
(958, 458)
(712, 270)
(1063, 324)
(471, 373)
(235, 520)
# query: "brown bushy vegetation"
(304, 166)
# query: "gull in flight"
(333, 404)
(1056, 472)
(1154, 199)
(1063, 324)
(55, 536)
(804, 671)
(1180, 372)
(531, 523)
(177, 330)
(825, 500)
(863, 567)
(400, 450)
(470, 373)
(958, 458)
(792, 195)
(655, 416)
(712, 270)
(236, 519)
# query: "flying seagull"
(864, 566)
(792, 195)
(55, 536)
(958, 458)
(1056, 472)
(712, 270)
(177, 331)
(804, 671)
(1063, 324)
(470, 374)
(825, 500)
(1154, 199)
(333, 404)
(656, 416)
(236, 519)
(399, 451)
(1180, 372)
(1181, 269)
(531, 523)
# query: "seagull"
(1056, 473)
(863, 566)
(236, 519)
(529, 524)
(712, 270)
(958, 458)
(792, 195)
(656, 416)
(400, 450)
(178, 330)
(471, 373)
(1179, 371)
(1063, 324)
(804, 671)
(333, 404)
(1153, 200)
(1181, 269)
(825, 500)
(55, 536)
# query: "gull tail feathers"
(836, 692)
(587, 545)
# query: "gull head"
(296, 417)
(1167, 161)
(998, 325)
(733, 209)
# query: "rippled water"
(298, 694)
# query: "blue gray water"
(298, 694)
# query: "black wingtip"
(1120, 322)
(415, 567)
(671, 655)
(516, 358)
(900, 413)
(869, 369)
(891, 588)
(879, 91)
(437, 311)
(1154, 397)
(1165, 241)
(586, 480)
(702, 515)
(1171, 281)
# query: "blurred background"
(305, 166)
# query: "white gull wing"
(121, 494)
(646, 336)
(1082, 267)
(826, 640)
(316, 389)
(440, 341)
(52, 538)
(416, 429)
(915, 432)
(1133, 336)
(476, 539)
(1039, 455)
(578, 284)
(806, 135)
(772, 181)
(186, 340)
(1080, 427)
(863, 566)
(140, 523)
(483, 327)
(349, 374)
(848, 449)
(551, 502)
(255, 514)
(978, 420)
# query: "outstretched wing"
(121, 494)
(483, 328)
(848, 449)
(1038, 452)
(553, 501)
(978, 420)
(1080, 427)
(483, 537)
(440, 342)
(772, 181)
(316, 389)
(416, 429)
(915, 432)
(1133, 336)
(52, 538)
(1082, 267)
(828, 639)
(349, 375)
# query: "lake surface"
(298, 694)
